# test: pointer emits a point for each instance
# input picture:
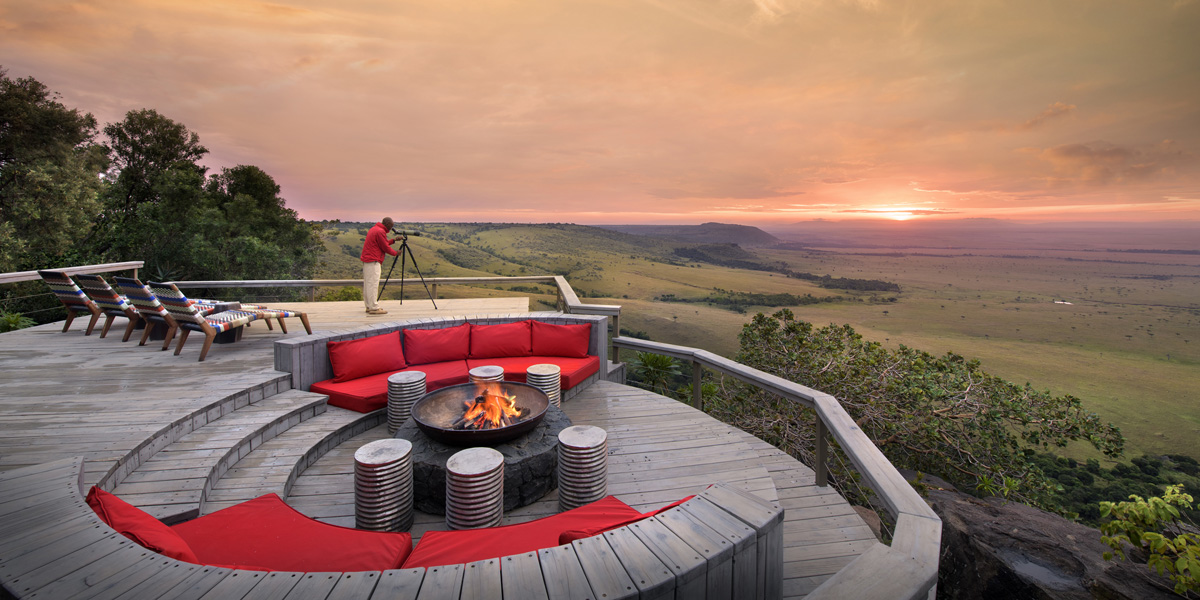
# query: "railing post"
(697, 392)
(560, 303)
(433, 292)
(312, 294)
(822, 454)
(616, 332)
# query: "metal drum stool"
(582, 466)
(383, 486)
(548, 378)
(474, 489)
(404, 389)
(486, 373)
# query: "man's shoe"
(376, 311)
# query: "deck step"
(171, 484)
(273, 466)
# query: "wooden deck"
(70, 395)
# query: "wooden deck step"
(273, 466)
(171, 484)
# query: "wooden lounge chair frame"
(73, 298)
(110, 302)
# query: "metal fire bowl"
(438, 409)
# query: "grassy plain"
(1128, 344)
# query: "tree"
(941, 415)
(1156, 530)
(49, 184)
(654, 370)
(145, 147)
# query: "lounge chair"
(113, 304)
(190, 318)
(139, 295)
(266, 314)
(72, 297)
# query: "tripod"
(405, 254)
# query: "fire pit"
(480, 414)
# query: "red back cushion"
(268, 533)
(501, 341)
(561, 340)
(571, 535)
(424, 346)
(353, 359)
(469, 545)
(133, 523)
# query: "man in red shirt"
(374, 249)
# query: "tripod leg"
(389, 276)
(418, 270)
(403, 257)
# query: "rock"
(871, 518)
(1003, 550)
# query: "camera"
(406, 232)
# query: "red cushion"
(509, 339)
(569, 536)
(424, 346)
(135, 524)
(468, 545)
(353, 359)
(370, 393)
(267, 532)
(574, 370)
(561, 340)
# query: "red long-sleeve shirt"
(376, 245)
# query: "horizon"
(761, 112)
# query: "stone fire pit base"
(530, 464)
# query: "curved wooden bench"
(725, 543)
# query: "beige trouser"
(371, 271)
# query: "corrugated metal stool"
(475, 489)
(404, 389)
(486, 373)
(548, 378)
(383, 485)
(582, 466)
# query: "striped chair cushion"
(103, 295)
(139, 295)
(66, 291)
(224, 321)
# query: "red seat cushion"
(574, 370)
(509, 339)
(135, 524)
(267, 532)
(370, 393)
(561, 340)
(353, 359)
(569, 536)
(424, 346)
(467, 545)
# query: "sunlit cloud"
(657, 111)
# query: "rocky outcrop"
(1001, 550)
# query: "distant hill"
(708, 233)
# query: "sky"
(656, 111)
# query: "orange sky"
(750, 111)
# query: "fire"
(491, 408)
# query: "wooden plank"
(481, 580)
(743, 537)
(688, 566)
(563, 576)
(604, 571)
(158, 575)
(653, 579)
(275, 585)
(521, 577)
(399, 584)
(713, 546)
(236, 585)
(442, 583)
(352, 586)
(313, 586)
(194, 585)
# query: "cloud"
(1105, 163)
(1054, 111)
(906, 211)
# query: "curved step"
(273, 466)
(172, 484)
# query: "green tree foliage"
(162, 209)
(655, 371)
(49, 184)
(940, 415)
(1155, 530)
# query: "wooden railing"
(16, 276)
(568, 301)
(906, 569)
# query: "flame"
(492, 408)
